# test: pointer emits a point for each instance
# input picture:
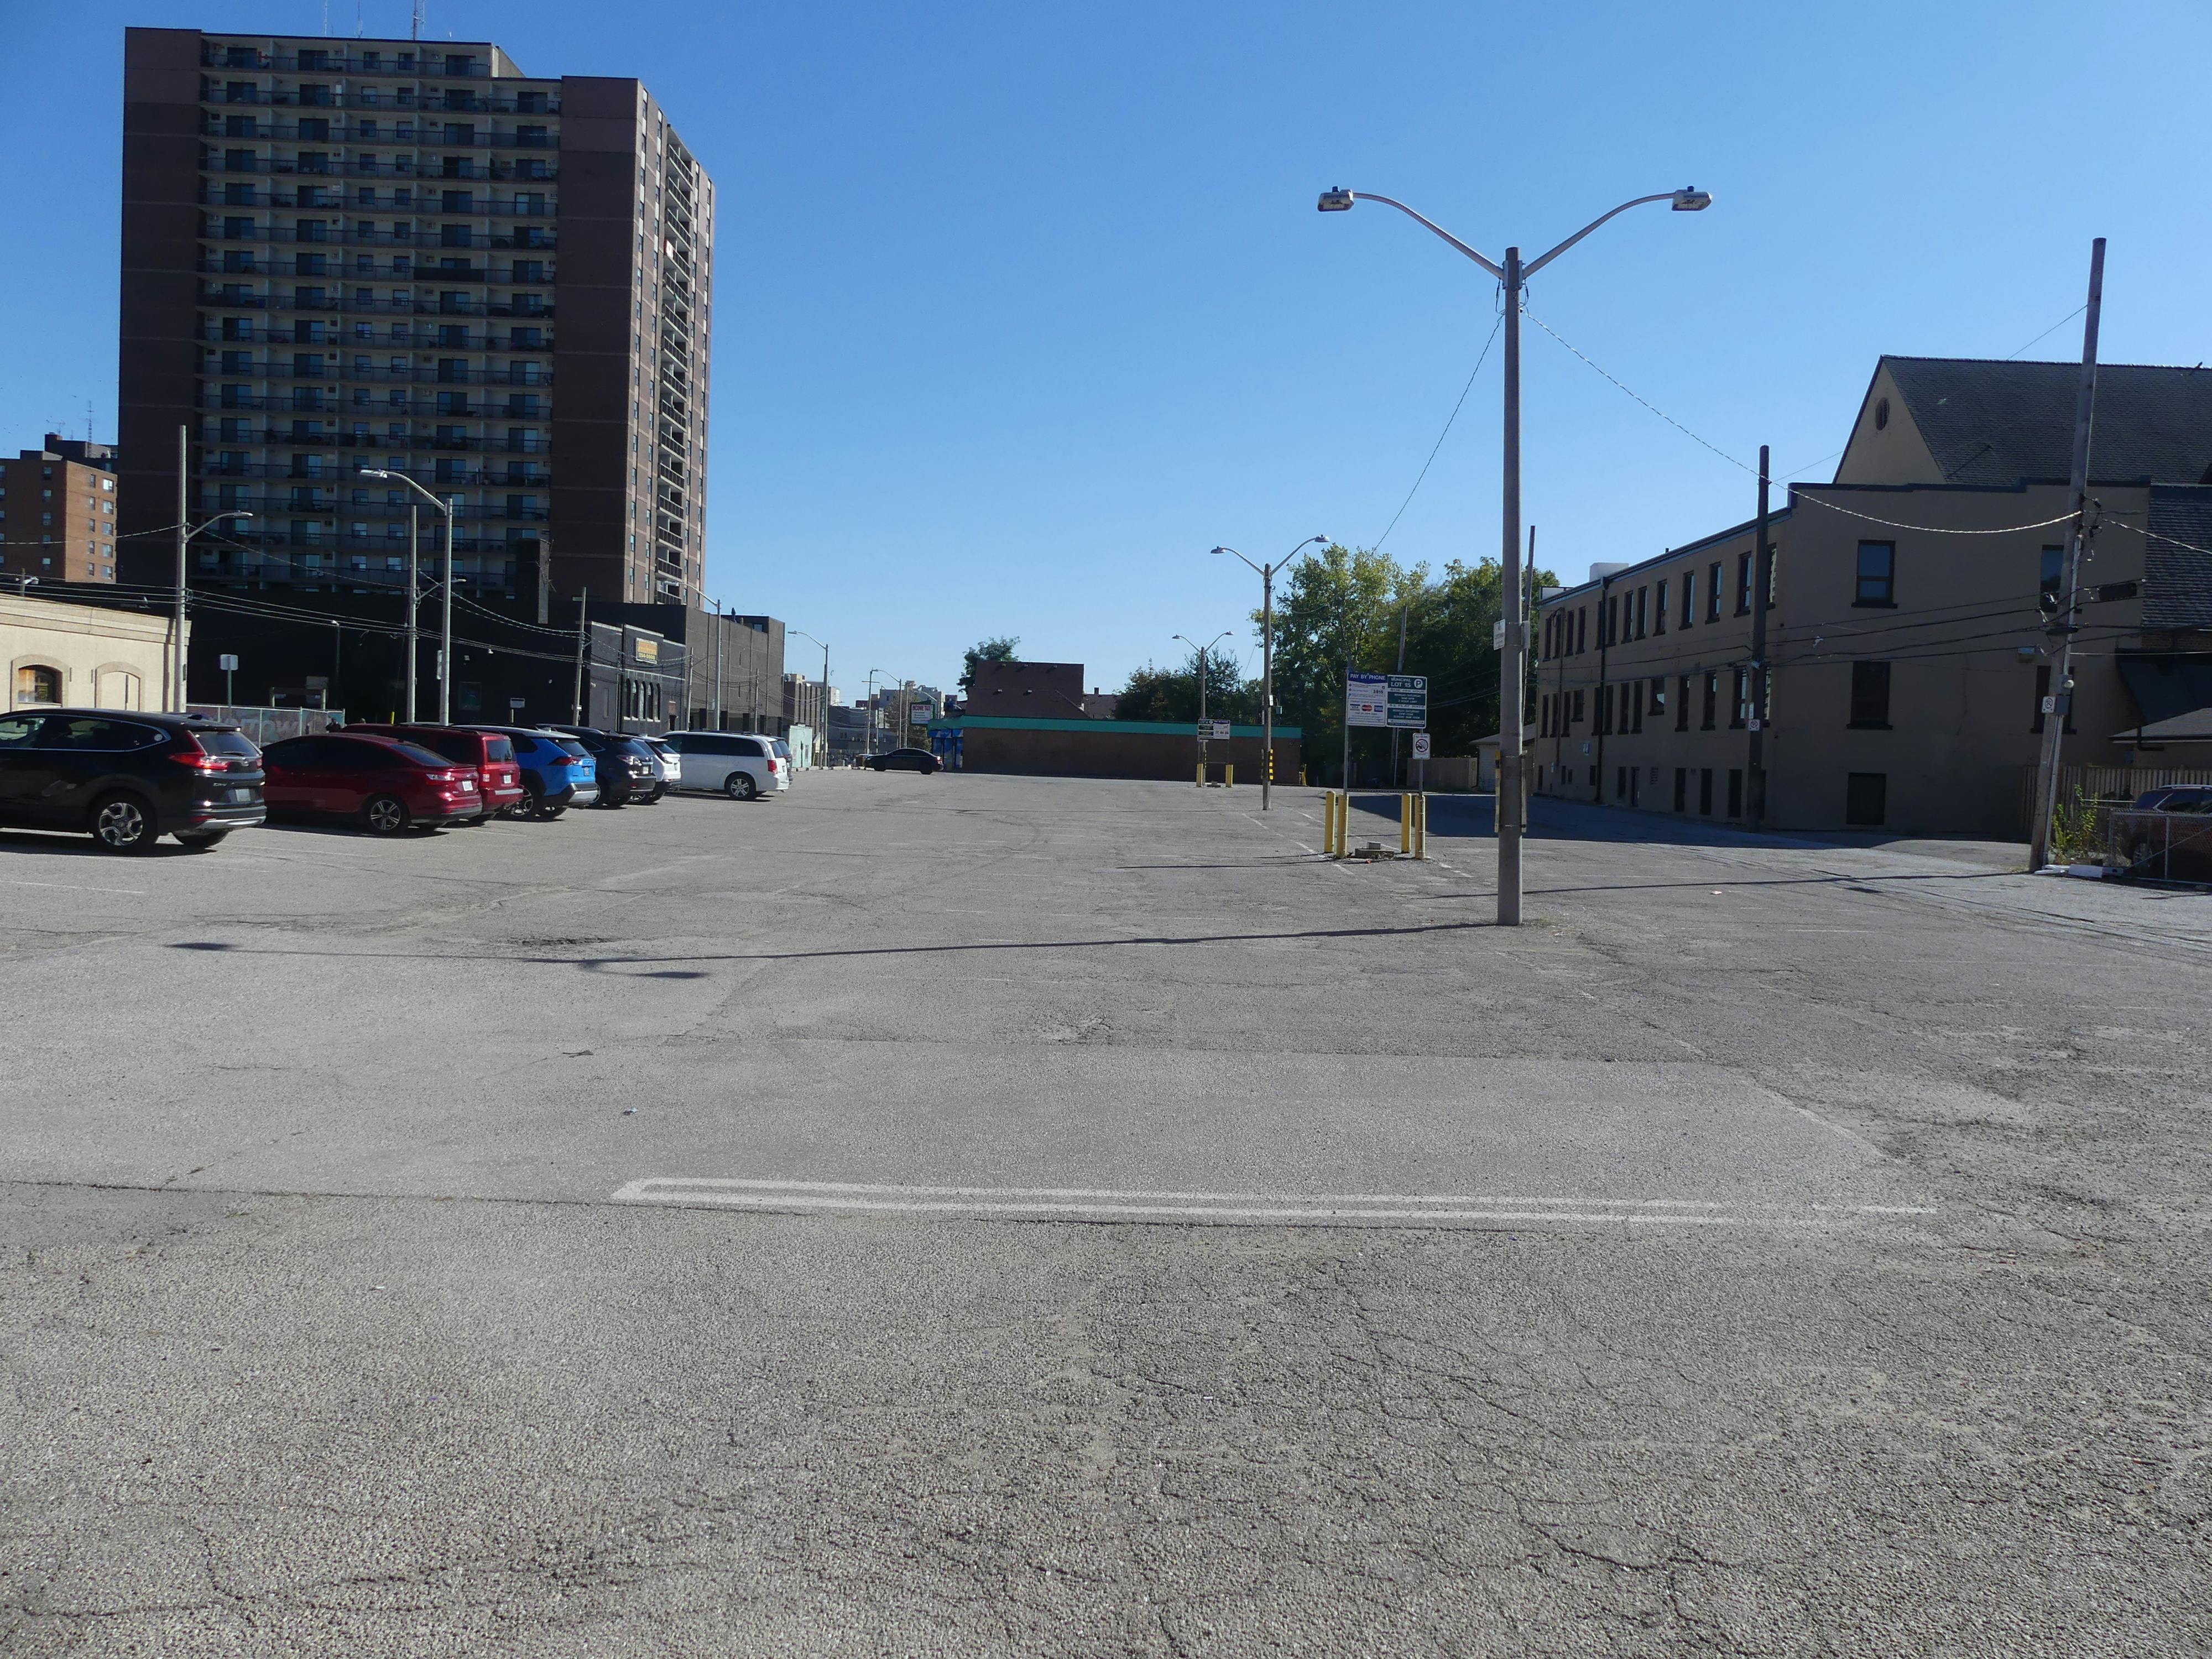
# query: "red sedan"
(499, 779)
(383, 784)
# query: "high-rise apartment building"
(58, 512)
(408, 256)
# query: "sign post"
(228, 663)
(1421, 760)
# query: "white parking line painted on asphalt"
(1376, 1209)
(75, 887)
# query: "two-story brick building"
(1905, 620)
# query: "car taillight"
(199, 759)
(773, 764)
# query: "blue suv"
(557, 772)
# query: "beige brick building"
(1906, 628)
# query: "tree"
(1341, 610)
(983, 651)
(1171, 694)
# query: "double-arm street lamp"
(1511, 796)
(1267, 654)
(1202, 650)
(445, 624)
(185, 532)
(821, 737)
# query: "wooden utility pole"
(2059, 704)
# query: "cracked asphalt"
(993, 1216)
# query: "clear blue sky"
(1021, 307)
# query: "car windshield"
(417, 754)
(498, 748)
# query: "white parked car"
(743, 765)
(671, 763)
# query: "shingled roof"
(2178, 559)
(2002, 423)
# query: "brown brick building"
(58, 512)
(341, 254)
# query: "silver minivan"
(743, 765)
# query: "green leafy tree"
(1343, 610)
(1171, 694)
(983, 651)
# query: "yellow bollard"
(1405, 825)
(1332, 819)
(1228, 775)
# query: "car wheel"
(386, 815)
(2140, 854)
(125, 823)
(201, 840)
(740, 785)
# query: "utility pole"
(1762, 580)
(1344, 699)
(1403, 610)
(544, 577)
(414, 602)
(715, 703)
(583, 644)
(1267, 684)
(184, 535)
(2061, 700)
(446, 629)
(1510, 791)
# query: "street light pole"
(185, 532)
(1513, 275)
(1202, 650)
(1268, 655)
(446, 624)
(822, 707)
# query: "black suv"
(627, 770)
(127, 779)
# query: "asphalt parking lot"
(974, 1215)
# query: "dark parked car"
(628, 771)
(383, 784)
(557, 771)
(499, 778)
(906, 760)
(127, 779)
(2166, 835)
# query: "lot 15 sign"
(1409, 701)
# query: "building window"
(1659, 610)
(1743, 584)
(1871, 694)
(1576, 717)
(1582, 628)
(1877, 573)
(1682, 704)
(1866, 799)
(1706, 792)
(2053, 578)
(1740, 703)
(1681, 788)
(1713, 593)
(1658, 706)
(1689, 596)
(1735, 791)
(36, 683)
(1712, 701)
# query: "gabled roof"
(1988, 423)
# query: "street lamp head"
(1692, 200)
(374, 472)
(1310, 540)
(1336, 199)
(1219, 549)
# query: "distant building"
(805, 702)
(1033, 719)
(1027, 689)
(1909, 659)
(58, 512)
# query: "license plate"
(241, 796)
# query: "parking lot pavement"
(1030, 1216)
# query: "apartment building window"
(1636, 706)
(1735, 791)
(1713, 593)
(1877, 575)
(1659, 609)
(1682, 705)
(1705, 791)
(2053, 576)
(1866, 799)
(1642, 611)
(1612, 620)
(1658, 708)
(1740, 703)
(1743, 584)
(2043, 690)
(1582, 628)
(1681, 788)
(1689, 596)
(1870, 696)
(1576, 717)
(1712, 700)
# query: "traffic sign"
(1408, 704)
(227, 662)
(1218, 730)
(1421, 745)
